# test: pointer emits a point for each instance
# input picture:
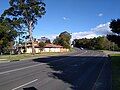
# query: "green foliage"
(7, 35)
(48, 41)
(115, 28)
(115, 71)
(25, 10)
(41, 45)
(57, 40)
(99, 43)
(85, 43)
(24, 14)
(65, 36)
(63, 39)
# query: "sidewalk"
(111, 52)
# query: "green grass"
(115, 71)
(26, 56)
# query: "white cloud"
(100, 14)
(100, 30)
(79, 35)
(65, 18)
(51, 36)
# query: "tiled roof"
(47, 46)
(53, 46)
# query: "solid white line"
(24, 84)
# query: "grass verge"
(30, 56)
(27, 56)
(115, 71)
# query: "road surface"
(83, 70)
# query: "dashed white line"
(24, 84)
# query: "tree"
(41, 45)
(84, 43)
(65, 36)
(7, 35)
(99, 43)
(63, 39)
(48, 41)
(115, 28)
(27, 12)
(57, 41)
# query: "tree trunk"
(31, 37)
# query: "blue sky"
(82, 18)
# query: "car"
(81, 48)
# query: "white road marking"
(20, 68)
(24, 84)
(36, 65)
(28, 67)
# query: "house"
(54, 48)
(47, 48)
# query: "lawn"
(115, 71)
(26, 56)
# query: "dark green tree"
(84, 43)
(48, 41)
(57, 40)
(41, 45)
(99, 43)
(7, 35)
(63, 39)
(65, 36)
(115, 28)
(27, 12)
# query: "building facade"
(47, 48)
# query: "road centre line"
(24, 84)
(35, 65)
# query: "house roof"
(53, 46)
(47, 46)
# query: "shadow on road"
(80, 72)
(30, 88)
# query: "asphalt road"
(83, 70)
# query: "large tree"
(115, 28)
(28, 12)
(63, 39)
(7, 35)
